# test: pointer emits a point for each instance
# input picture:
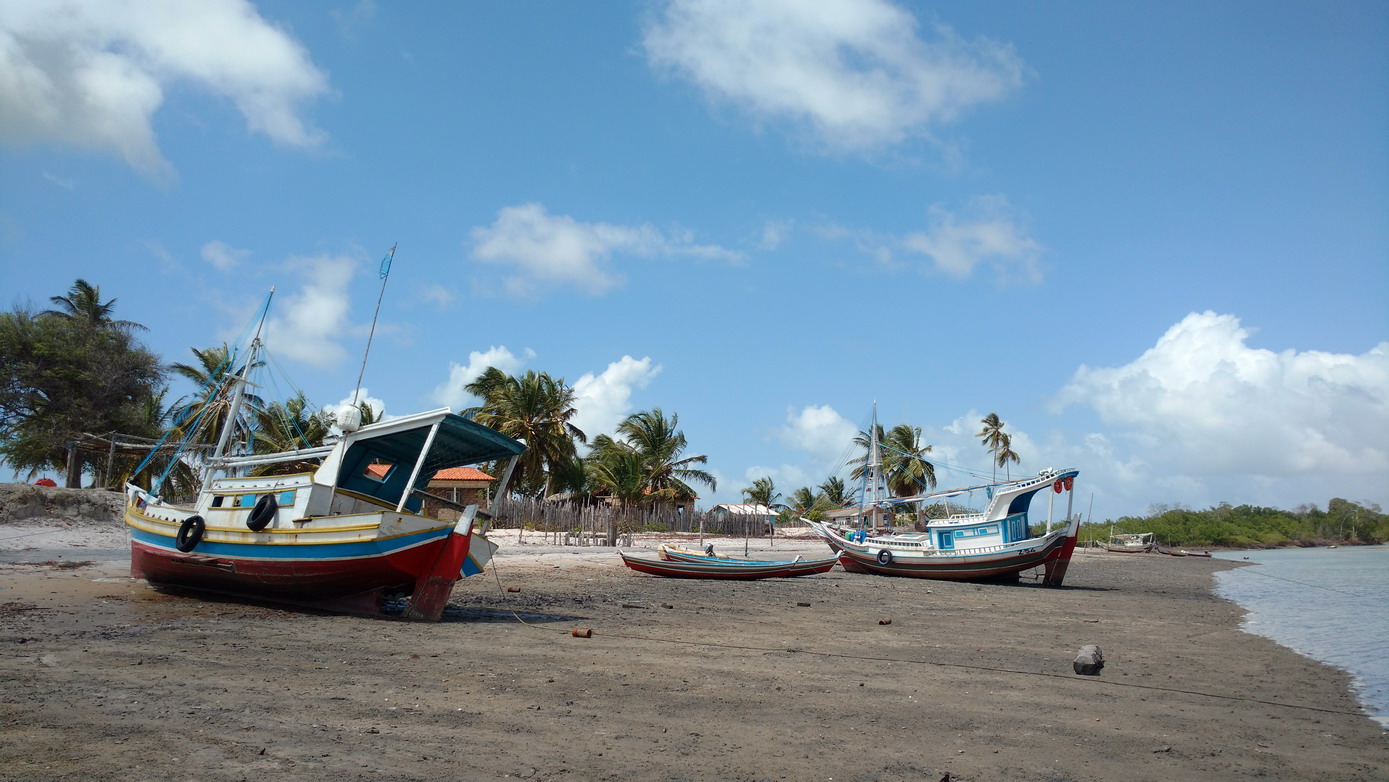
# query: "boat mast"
(384, 273)
(239, 394)
(875, 468)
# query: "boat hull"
(747, 570)
(798, 567)
(1054, 556)
(355, 575)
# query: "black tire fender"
(884, 557)
(190, 534)
(263, 513)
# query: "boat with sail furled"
(998, 542)
(344, 529)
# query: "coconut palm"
(662, 445)
(1006, 455)
(763, 492)
(994, 438)
(84, 303)
(289, 426)
(203, 414)
(536, 408)
(905, 468)
(836, 494)
(904, 461)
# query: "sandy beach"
(797, 679)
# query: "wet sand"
(106, 678)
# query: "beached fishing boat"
(796, 567)
(346, 533)
(1130, 543)
(997, 543)
(721, 568)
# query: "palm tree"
(661, 445)
(620, 471)
(535, 408)
(904, 463)
(84, 303)
(763, 492)
(836, 494)
(289, 426)
(994, 438)
(803, 502)
(203, 414)
(1006, 455)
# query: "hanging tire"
(263, 513)
(190, 534)
(884, 557)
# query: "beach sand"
(106, 678)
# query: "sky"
(1153, 238)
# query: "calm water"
(1329, 604)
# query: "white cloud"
(1201, 402)
(437, 295)
(315, 317)
(450, 393)
(223, 256)
(603, 400)
(545, 250)
(774, 232)
(92, 73)
(989, 232)
(855, 72)
(820, 431)
(786, 478)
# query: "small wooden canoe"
(726, 568)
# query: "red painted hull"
(301, 582)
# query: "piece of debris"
(582, 632)
(887, 620)
(1089, 661)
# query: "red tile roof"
(462, 474)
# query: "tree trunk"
(74, 471)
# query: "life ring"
(884, 557)
(190, 534)
(263, 513)
(1070, 481)
(1057, 486)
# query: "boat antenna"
(385, 273)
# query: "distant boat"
(1130, 543)
(994, 544)
(349, 534)
(1205, 554)
(796, 567)
(700, 566)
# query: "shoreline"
(681, 679)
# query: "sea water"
(1331, 604)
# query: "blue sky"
(1154, 238)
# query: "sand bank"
(106, 678)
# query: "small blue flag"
(386, 263)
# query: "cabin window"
(378, 472)
(285, 498)
(217, 501)
(246, 501)
(947, 540)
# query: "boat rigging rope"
(963, 666)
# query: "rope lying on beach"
(30, 534)
(965, 666)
